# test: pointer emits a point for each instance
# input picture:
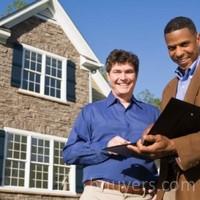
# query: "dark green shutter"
(71, 81)
(16, 65)
(2, 144)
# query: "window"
(32, 71)
(53, 77)
(40, 150)
(61, 173)
(16, 159)
(35, 161)
(44, 73)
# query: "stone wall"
(13, 196)
(32, 113)
(27, 112)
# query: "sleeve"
(79, 148)
(188, 149)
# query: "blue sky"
(134, 25)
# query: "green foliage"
(15, 5)
(147, 97)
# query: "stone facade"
(13, 196)
(27, 112)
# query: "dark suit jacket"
(188, 147)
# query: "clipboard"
(179, 118)
(122, 150)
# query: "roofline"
(101, 83)
(75, 36)
(62, 19)
(89, 64)
(4, 35)
(17, 14)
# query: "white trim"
(101, 83)
(4, 33)
(19, 16)
(62, 19)
(28, 163)
(90, 87)
(26, 188)
(72, 181)
(36, 134)
(89, 64)
(44, 54)
(63, 94)
(43, 71)
(5, 154)
(72, 32)
(54, 99)
(26, 46)
(50, 169)
(52, 20)
(46, 18)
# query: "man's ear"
(198, 38)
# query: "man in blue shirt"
(115, 120)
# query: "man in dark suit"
(183, 172)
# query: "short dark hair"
(122, 57)
(180, 23)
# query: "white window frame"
(42, 78)
(26, 188)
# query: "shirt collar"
(183, 75)
(111, 99)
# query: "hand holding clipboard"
(178, 119)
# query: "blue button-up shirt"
(98, 123)
(185, 78)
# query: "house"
(48, 73)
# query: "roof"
(53, 11)
(101, 83)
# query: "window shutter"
(16, 65)
(79, 176)
(2, 144)
(71, 81)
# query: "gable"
(30, 39)
(52, 11)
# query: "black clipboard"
(179, 118)
(122, 150)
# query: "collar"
(111, 99)
(183, 75)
